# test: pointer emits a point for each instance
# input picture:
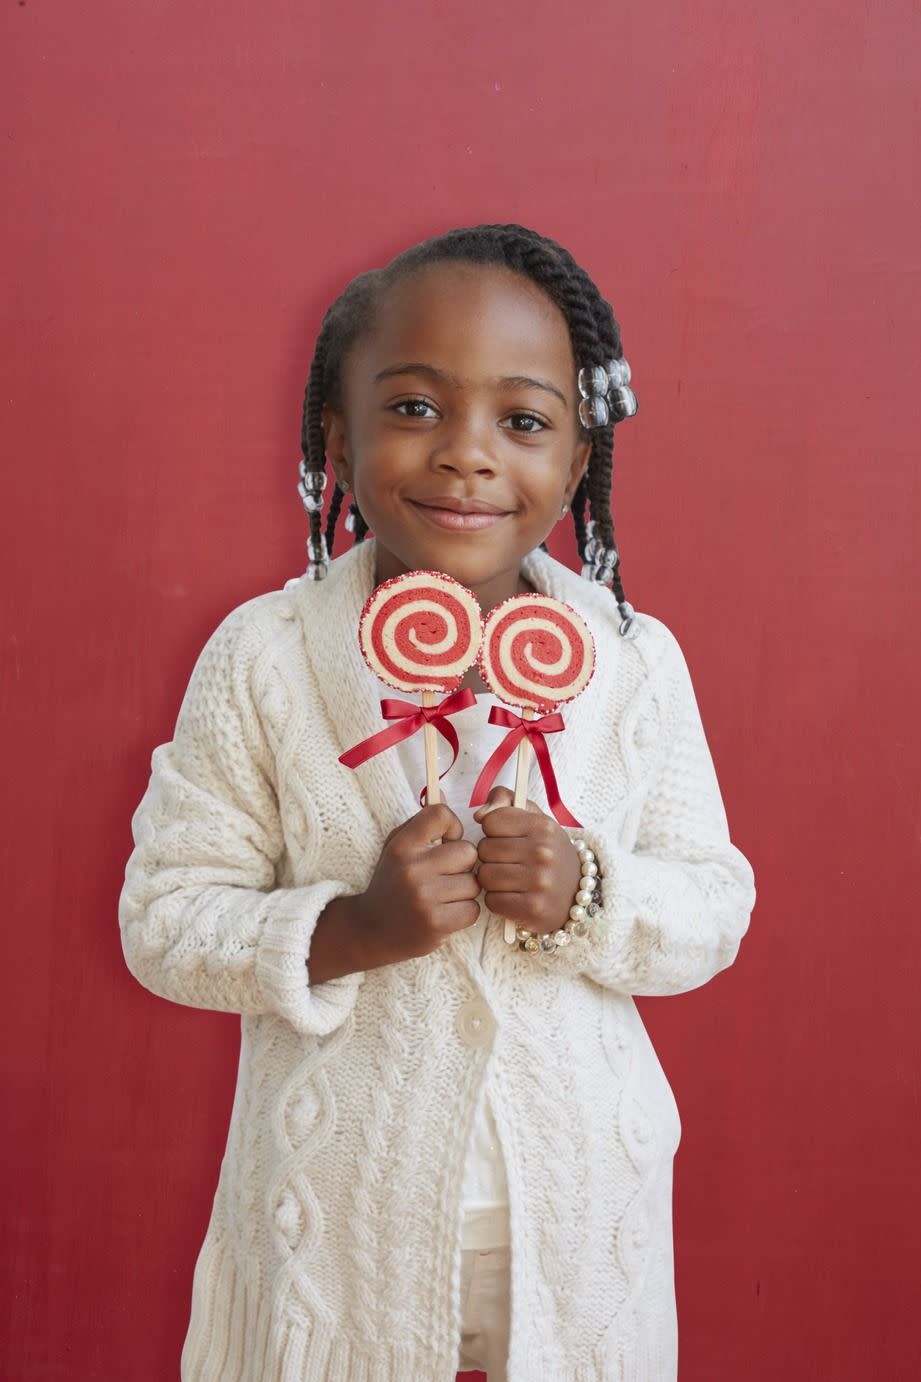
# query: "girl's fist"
(423, 888)
(528, 865)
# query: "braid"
(313, 470)
(579, 500)
(335, 504)
(595, 336)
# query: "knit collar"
(330, 611)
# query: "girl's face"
(459, 433)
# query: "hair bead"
(629, 628)
(314, 481)
(593, 379)
(600, 561)
(317, 557)
(594, 411)
(623, 402)
(618, 373)
(310, 487)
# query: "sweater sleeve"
(676, 906)
(202, 921)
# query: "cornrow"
(595, 336)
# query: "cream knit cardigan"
(332, 1252)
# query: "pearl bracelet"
(587, 905)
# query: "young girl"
(445, 1151)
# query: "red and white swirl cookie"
(421, 631)
(537, 652)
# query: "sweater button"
(475, 1023)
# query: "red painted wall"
(188, 185)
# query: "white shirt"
(485, 1192)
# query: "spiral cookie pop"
(420, 632)
(536, 653)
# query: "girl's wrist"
(341, 941)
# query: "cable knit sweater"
(333, 1249)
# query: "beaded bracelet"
(587, 905)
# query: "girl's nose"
(464, 450)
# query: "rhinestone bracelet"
(587, 905)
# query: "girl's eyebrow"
(510, 381)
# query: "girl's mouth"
(460, 522)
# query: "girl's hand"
(423, 889)
(528, 864)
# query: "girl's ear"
(336, 449)
(580, 461)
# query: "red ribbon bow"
(412, 718)
(535, 731)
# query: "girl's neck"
(501, 588)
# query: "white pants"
(485, 1322)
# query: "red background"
(191, 184)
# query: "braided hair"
(595, 336)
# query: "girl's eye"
(412, 403)
(529, 417)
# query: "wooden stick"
(521, 795)
(430, 736)
(524, 764)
